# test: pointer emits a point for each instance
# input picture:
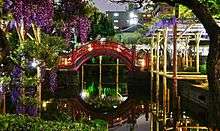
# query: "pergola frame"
(187, 32)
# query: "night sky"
(105, 5)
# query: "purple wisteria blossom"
(81, 25)
(161, 24)
(39, 12)
(16, 72)
(53, 80)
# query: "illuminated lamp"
(118, 50)
(90, 48)
(34, 63)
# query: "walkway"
(142, 125)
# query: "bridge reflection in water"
(138, 86)
(126, 116)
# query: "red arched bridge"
(97, 48)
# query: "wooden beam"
(197, 36)
(157, 75)
(39, 87)
(194, 127)
(175, 88)
(117, 77)
(152, 68)
(184, 31)
(82, 78)
(100, 75)
(186, 52)
(164, 78)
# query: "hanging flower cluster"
(84, 28)
(81, 25)
(68, 28)
(161, 24)
(16, 91)
(7, 5)
(53, 80)
(16, 73)
(15, 95)
(72, 7)
(39, 12)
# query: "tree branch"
(169, 2)
(139, 2)
(202, 13)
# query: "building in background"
(119, 19)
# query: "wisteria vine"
(84, 28)
(53, 80)
(161, 24)
(39, 12)
(81, 26)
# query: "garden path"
(141, 125)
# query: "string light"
(34, 64)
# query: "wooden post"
(151, 122)
(164, 76)
(37, 34)
(183, 60)
(175, 98)
(157, 125)
(4, 103)
(100, 75)
(82, 81)
(157, 74)
(39, 86)
(197, 129)
(186, 52)
(190, 61)
(152, 69)
(168, 100)
(117, 77)
(197, 36)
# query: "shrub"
(25, 123)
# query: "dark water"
(134, 84)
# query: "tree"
(4, 47)
(214, 7)
(202, 12)
(101, 25)
(27, 45)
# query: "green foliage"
(143, 40)
(214, 7)
(51, 47)
(109, 92)
(103, 104)
(47, 51)
(5, 80)
(101, 25)
(92, 90)
(190, 69)
(30, 81)
(99, 122)
(26, 100)
(128, 38)
(185, 13)
(203, 69)
(15, 122)
(89, 10)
